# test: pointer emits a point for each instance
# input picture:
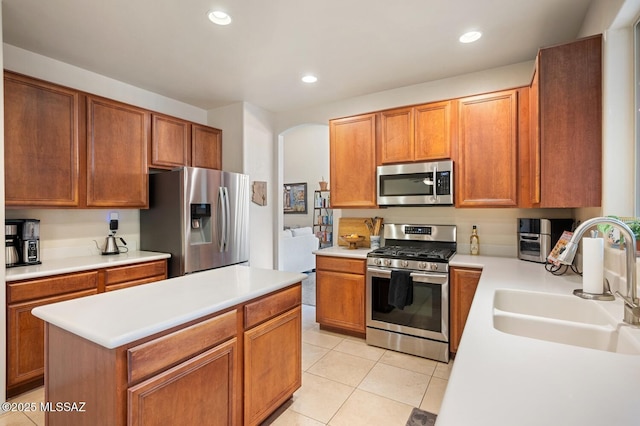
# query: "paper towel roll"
(592, 265)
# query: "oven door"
(427, 316)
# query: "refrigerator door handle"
(223, 219)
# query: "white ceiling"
(355, 47)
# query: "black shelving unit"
(323, 218)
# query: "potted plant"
(634, 225)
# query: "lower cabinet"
(199, 391)
(230, 368)
(272, 364)
(25, 333)
(340, 294)
(464, 282)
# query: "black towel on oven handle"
(401, 289)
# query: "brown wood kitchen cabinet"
(43, 145)
(567, 135)
(206, 376)
(170, 142)
(227, 368)
(206, 147)
(272, 353)
(464, 282)
(117, 140)
(25, 333)
(340, 294)
(352, 160)
(418, 133)
(487, 163)
(176, 142)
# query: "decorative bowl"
(353, 240)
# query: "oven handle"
(426, 278)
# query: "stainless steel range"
(407, 290)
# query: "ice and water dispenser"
(201, 223)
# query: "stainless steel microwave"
(415, 184)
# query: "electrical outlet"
(113, 221)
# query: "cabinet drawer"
(270, 306)
(135, 272)
(51, 286)
(340, 264)
(156, 355)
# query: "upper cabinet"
(567, 145)
(419, 133)
(170, 142)
(487, 163)
(352, 155)
(65, 148)
(206, 147)
(42, 146)
(117, 140)
(176, 142)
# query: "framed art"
(295, 198)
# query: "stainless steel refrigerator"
(200, 216)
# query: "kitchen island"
(503, 379)
(214, 347)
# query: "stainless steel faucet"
(631, 302)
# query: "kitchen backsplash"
(71, 232)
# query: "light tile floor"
(344, 382)
(347, 382)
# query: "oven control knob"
(387, 262)
(377, 261)
(422, 265)
(433, 266)
(404, 263)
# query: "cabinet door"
(488, 151)
(570, 97)
(340, 300)
(170, 142)
(352, 153)
(396, 135)
(433, 131)
(118, 136)
(25, 343)
(272, 365)
(200, 391)
(41, 143)
(463, 287)
(206, 147)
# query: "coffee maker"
(22, 242)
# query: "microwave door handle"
(434, 182)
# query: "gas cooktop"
(429, 254)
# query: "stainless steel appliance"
(200, 216)
(414, 261)
(22, 242)
(537, 237)
(415, 184)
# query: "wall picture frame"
(295, 198)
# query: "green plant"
(634, 225)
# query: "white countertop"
(501, 379)
(115, 318)
(80, 263)
(343, 251)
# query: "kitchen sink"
(562, 319)
(547, 305)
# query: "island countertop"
(116, 318)
(502, 379)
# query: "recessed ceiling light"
(219, 17)
(309, 78)
(470, 37)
